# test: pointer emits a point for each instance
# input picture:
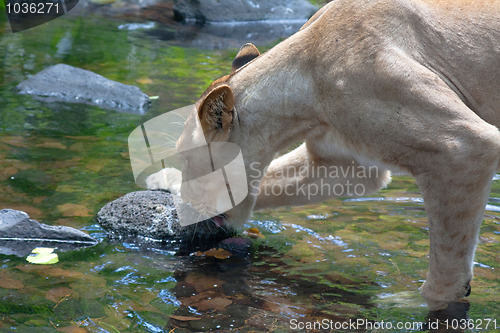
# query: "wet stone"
(19, 235)
(64, 83)
(142, 216)
(149, 214)
(242, 10)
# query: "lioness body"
(407, 85)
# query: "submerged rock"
(64, 83)
(19, 235)
(242, 10)
(151, 215)
(224, 35)
(237, 245)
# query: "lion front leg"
(455, 199)
(302, 177)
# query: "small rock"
(64, 83)
(19, 235)
(237, 245)
(242, 10)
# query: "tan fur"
(411, 85)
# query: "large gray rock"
(64, 83)
(152, 215)
(144, 216)
(149, 214)
(241, 10)
(19, 235)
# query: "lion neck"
(275, 103)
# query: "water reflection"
(256, 293)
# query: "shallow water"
(341, 260)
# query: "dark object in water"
(237, 245)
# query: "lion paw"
(440, 295)
(169, 179)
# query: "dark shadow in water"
(201, 236)
(256, 293)
(451, 319)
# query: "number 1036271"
(478, 324)
(33, 8)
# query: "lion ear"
(216, 113)
(247, 53)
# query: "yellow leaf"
(253, 233)
(43, 256)
(216, 253)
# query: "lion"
(407, 85)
